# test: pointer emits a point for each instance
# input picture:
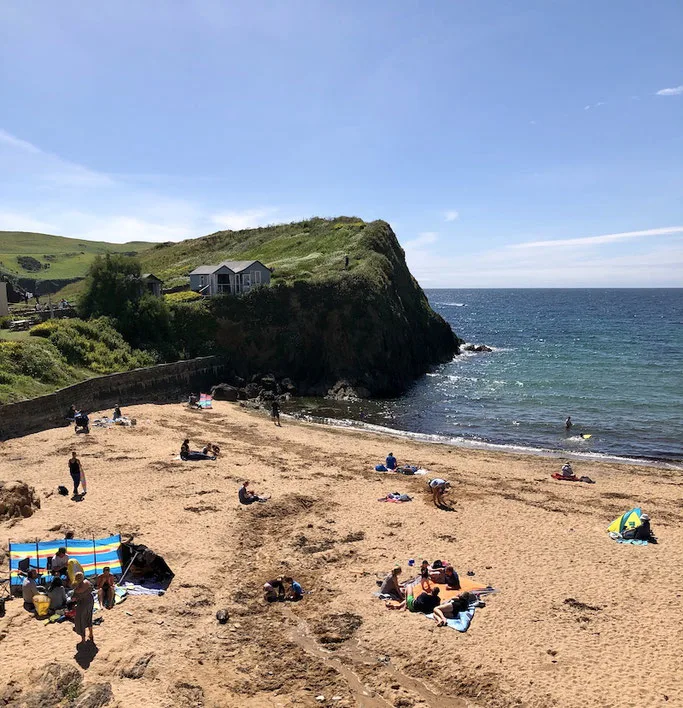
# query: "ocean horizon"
(611, 358)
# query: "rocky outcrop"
(17, 499)
(370, 329)
(476, 348)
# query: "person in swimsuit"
(105, 589)
(391, 585)
(75, 470)
(451, 609)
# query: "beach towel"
(563, 478)
(620, 539)
(396, 498)
(205, 401)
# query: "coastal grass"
(59, 353)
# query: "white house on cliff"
(229, 277)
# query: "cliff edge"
(322, 322)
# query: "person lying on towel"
(451, 609)
(425, 602)
(187, 454)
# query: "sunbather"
(391, 585)
(391, 461)
(117, 413)
(187, 454)
(451, 578)
(642, 532)
(449, 610)
(424, 602)
(56, 593)
(567, 470)
(425, 580)
(105, 589)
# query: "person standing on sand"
(275, 412)
(84, 606)
(75, 470)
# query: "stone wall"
(162, 383)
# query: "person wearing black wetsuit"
(75, 471)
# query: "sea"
(612, 359)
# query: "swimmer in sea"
(568, 423)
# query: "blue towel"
(461, 621)
(632, 541)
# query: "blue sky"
(508, 144)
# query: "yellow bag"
(42, 604)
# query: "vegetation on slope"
(46, 257)
(62, 352)
(305, 250)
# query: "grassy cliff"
(320, 322)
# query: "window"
(246, 279)
(257, 277)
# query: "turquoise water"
(612, 359)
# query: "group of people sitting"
(391, 464)
(281, 589)
(423, 595)
(60, 590)
(208, 452)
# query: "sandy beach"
(577, 619)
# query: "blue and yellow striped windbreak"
(92, 554)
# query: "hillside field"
(46, 257)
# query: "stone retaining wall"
(161, 383)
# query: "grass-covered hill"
(305, 250)
(46, 257)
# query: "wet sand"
(577, 619)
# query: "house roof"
(151, 276)
(205, 270)
(237, 266)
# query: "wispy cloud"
(594, 105)
(423, 239)
(602, 239)
(451, 215)
(18, 143)
(675, 91)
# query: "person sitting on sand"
(425, 580)
(117, 413)
(451, 578)
(187, 454)
(105, 589)
(391, 463)
(71, 413)
(247, 496)
(59, 562)
(274, 590)
(193, 401)
(56, 593)
(295, 591)
(642, 532)
(438, 488)
(29, 589)
(567, 470)
(451, 608)
(391, 586)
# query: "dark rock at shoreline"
(225, 392)
(476, 348)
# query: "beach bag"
(406, 470)
(380, 468)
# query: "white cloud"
(596, 240)
(586, 108)
(451, 215)
(246, 219)
(15, 221)
(675, 91)
(423, 239)
(18, 143)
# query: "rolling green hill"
(46, 257)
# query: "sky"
(525, 144)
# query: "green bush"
(5, 322)
(95, 345)
(182, 296)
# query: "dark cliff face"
(372, 327)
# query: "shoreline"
(565, 596)
(470, 444)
